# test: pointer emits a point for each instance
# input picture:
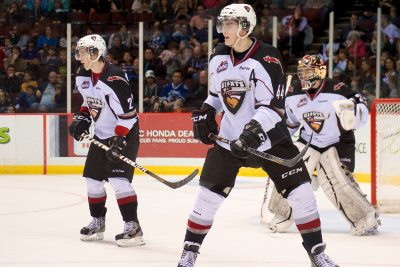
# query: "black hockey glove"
(117, 146)
(204, 123)
(80, 124)
(252, 136)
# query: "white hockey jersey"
(110, 100)
(316, 113)
(251, 88)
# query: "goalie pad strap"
(342, 190)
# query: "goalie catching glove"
(80, 124)
(252, 136)
(347, 110)
(204, 123)
(117, 146)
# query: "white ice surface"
(41, 215)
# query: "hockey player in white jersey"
(248, 85)
(108, 102)
(330, 111)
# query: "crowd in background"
(33, 54)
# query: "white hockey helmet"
(311, 69)
(242, 13)
(94, 44)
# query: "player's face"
(229, 30)
(306, 73)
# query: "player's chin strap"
(173, 185)
(284, 162)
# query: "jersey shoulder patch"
(269, 56)
(113, 75)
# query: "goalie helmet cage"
(385, 155)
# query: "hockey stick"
(173, 185)
(264, 203)
(288, 81)
(284, 162)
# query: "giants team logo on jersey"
(315, 120)
(85, 85)
(273, 60)
(337, 86)
(233, 93)
(116, 78)
(302, 102)
(223, 66)
(95, 105)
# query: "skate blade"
(136, 241)
(94, 237)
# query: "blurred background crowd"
(33, 46)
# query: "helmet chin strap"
(239, 37)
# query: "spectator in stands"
(295, 26)
(141, 6)
(46, 40)
(11, 109)
(325, 48)
(74, 39)
(391, 31)
(350, 75)
(201, 36)
(385, 5)
(61, 64)
(385, 44)
(384, 56)
(324, 6)
(394, 85)
(186, 30)
(58, 100)
(57, 14)
(37, 14)
(7, 46)
(170, 62)
(44, 93)
(123, 32)
(182, 11)
(2, 58)
(62, 79)
(340, 62)
(199, 91)
(118, 49)
(197, 63)
(50, 62)
(184, 53)
(365, 77)
(393, 16)
(174, 91)
(353, 26)
(151, 91)
(156, 108)
(266, 29)
(10, 83)
(110, 58)
(4, 103)
(389, 70)
(151, 62)
(178, 107)
(127, 66)
(14, 15)
(26, 99)
(34, 67)
(8, 3)
(16, 60)
(369, 10)
(20, 35)
(90, 30)
(197, 22)
(159, 40)
(30, 52)
(28, 81)
(357, 48)
(164, 14)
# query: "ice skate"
(189, 254)
(132, 235)
(319, 258)
(95, 229)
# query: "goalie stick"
(284, 162)
(173, 185)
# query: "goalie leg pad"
(283, 216)
(311, 159)
(344, 192)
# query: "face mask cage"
(309, 75)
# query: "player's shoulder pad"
(220, 49)
(114, 77)
(336, 87)
(269, 56)
(294, 89)
(81, 71)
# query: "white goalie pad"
(311, 159)
(344, 192)
(347, 116)
(281, 211)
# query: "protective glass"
(227, 25)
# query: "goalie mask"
(243, 14)
(311, 69)
(89, 46)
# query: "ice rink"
(41, 215)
